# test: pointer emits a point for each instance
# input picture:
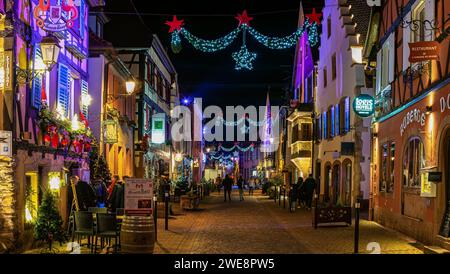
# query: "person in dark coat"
(301, 192)
(227, 186)
(294, 195)
(85, 194)
(117, 199)
(101, 193)
(310, 187)
(240, 184)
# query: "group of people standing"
(98, 194)
(227, 185)
(303, 191)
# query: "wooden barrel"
(137, 235)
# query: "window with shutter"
(325, 129)
(336, 120)
(63, 89)
(81, 18)
(332, 121)
(347, 114)
(36, 94)
(84, 92)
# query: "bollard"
(155, 216)
(166, 207)
(357, 208)
(279, 198)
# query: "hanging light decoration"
(243, 57)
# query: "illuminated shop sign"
(414, 116)
(159, 128)
(364, 105)
(55, 18)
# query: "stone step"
(435, 250)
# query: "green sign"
(364, 105)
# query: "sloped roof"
(361, 16)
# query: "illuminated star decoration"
(314, 17)
(244, 58)
(244, 18)
(175, 24)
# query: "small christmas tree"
(99, 169)
(49, 223)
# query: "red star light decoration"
(244, 18)
(175, 24)
(314, 17)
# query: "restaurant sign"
(56, 17)
(423, 51)
(138, 196)
(364, 105)
(6, 71)
(413, 116)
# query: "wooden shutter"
(63, 89)
(84, 92)
(392, 50)
(379, 72)
(36, 94)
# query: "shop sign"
(423, 51)
(435, 177)
(138, 196)
(55, 18)
(110, 132)
(364, 105)
(414, 116)
(159, 128)
(6, 71)
(427, 188)
(5, 143)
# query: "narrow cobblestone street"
(258, 225)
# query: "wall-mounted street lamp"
(130, 86)
(50, 51)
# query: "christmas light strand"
(243, 57)
(210, 45)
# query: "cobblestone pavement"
(259, 226)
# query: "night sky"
(212, 75)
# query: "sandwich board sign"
(138, 197)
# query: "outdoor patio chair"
(108, 229)
(84, 226)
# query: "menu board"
(138, 197)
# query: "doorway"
(318, 172)
(327, 182)
(445, 227)
(336, 183)
(347, 181)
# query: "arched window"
(413, 162)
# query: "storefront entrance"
(445, 228)
(327, 182)
(336, 183)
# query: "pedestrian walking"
(227, 186)
(240, 184)
(293, 195)
(100, 193)
(251, 186)
(310, 187)
(218, 183)
(117, 198)
(301, 196)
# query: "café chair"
(108, 229)
(84, 226)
